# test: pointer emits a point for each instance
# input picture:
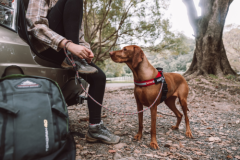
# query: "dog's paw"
(174, 127)
(138, 137)
(189, 134)
(154, 145)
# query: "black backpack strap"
(5, 71)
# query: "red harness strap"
(149, 82)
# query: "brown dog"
(142, 70)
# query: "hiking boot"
(65, 65)
(98, 132)
(84, 67)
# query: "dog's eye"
(124, 49)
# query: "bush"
(174, 63)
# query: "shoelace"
(108, 132)
(83, 61)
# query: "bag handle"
(5, 71)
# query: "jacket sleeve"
(38, 25)
(82, 41)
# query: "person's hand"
(80, 51)
(89, 60)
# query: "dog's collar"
(159, 78)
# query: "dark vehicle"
(16, 48)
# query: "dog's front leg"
(138, 136)
(153, 143)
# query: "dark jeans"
(65, 19)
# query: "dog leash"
(70, 59)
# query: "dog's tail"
(194, 94)
(183, 94)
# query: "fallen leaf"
(112, 151)
(200, 153)
(156, 156)
(180, 144)
(238, 157)
(119, 145)
(214, 139)
(234, 148)
(165, 154)
(136, 151)
(167, 145)
(84, 119)
(104, 116)
(230, 157)
(148, 155)
(143, 146)
(159, 115)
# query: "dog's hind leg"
(183, 102)
(170, 102)
(138, 136)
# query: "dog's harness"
(159, 79)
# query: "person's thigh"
(55, 17)
(55, 56)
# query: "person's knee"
(102, 78)
(77, 1)
(97, 79)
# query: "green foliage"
(213, 76)
(112, 69)
(231, 77)
(173, 63)
(175, 43)
(231, 40)
(109, 23)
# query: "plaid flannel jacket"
(42, 37)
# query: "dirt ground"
(214, 119)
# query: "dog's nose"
(111, 53)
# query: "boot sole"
(84, 72)
(90, 139)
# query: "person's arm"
(38, 25)
(80, 51)
(82, 42)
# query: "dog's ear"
(137, 57)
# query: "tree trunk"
(210, 55)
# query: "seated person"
(51, 23)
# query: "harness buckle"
(159, 80)
(159, 69)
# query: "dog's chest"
(145, 95)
